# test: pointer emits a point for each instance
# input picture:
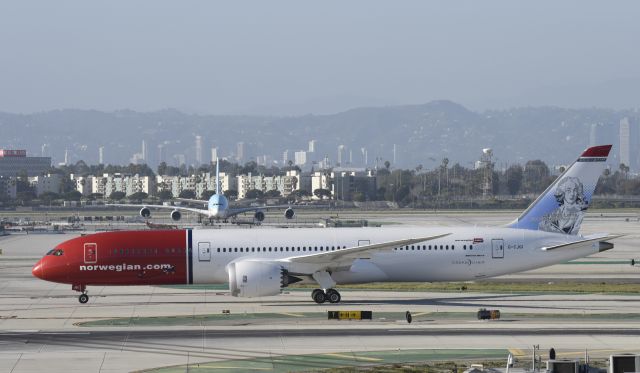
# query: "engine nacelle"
(259, 216)
(176, 215)
(145, 212)
(289, 213)
(258, 279)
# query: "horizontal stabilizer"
(575, 244)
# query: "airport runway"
(40, 323)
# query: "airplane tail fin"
(218, 183)
(563, 204)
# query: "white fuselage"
(466, 254)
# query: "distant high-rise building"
(44, 151)
(198, 150)
(263, 160)
(365, 155)
(162, 153)
(240, 152)
(395, 159)
(180, 159)
(285, 157)
(66, 157)
(625, 142)
(341, 155)
(143, 151)
(101, 155)
(312, 146)
(214, 154)
(300, 158)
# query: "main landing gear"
(320, 296)
(83, 298)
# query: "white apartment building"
(285, 184)
(198, 183)
(128, 184)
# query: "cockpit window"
(58, 252)
(50, 251)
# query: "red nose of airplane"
(38, 269)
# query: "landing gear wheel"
(83, 298)
(319, 296)
(333, 296)
(314, 292)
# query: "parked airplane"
(261, 262)
(217, 207)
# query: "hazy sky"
(293, 57)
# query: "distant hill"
(423, 134)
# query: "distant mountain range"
(423, 134)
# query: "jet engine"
(145, 212)
(289, 213)
(258, 279)
(176, 215)
(259, 216)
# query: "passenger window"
(470, 247)
(218, 249)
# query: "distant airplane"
(217, 206)
(262, 262)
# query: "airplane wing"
(342, 257)
(190, 209)
(574, 244)
(239, 210)
(191, 200)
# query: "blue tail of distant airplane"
(563, 204)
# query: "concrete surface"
(39, 321)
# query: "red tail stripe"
(597, 151)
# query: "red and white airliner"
(261, 262)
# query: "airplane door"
(204, 251)
(364, 242)
(497, 249)
(90, 253)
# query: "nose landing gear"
(83, 298)
(320, 296)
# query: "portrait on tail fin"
(572, 206)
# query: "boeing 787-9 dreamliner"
(262, 262)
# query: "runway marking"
(354, 357)
(291, 314)
(420, 314)
(517, 352)
(226, 367)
